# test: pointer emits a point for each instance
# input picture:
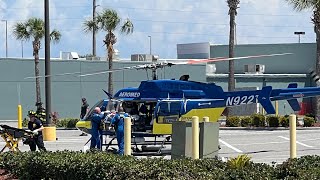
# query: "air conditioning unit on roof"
(254, 68)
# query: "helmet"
(31, 113)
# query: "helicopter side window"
(169, 108)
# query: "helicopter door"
(167, 111)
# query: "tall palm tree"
(233, 6)
(109, 21)
(34, 29)
(300, 5)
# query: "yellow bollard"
(49, 133)
(293, 143)
(19, 116)
(127, 136)
(206, 119)
(195, 137)
(277, 108)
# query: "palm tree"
(300, 5)
(109, 21)
(233, 6)
(34, 29)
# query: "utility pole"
(47, 62)
(94, 29)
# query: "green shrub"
(246, 121)
(67, 122)
(239, 162)
(258, 120)
(101, 165)
(310, 115)
(308, 121)
(233, 121)
(305, 167)
(273, 121)
(284, 121)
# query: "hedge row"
(100, 165)
(259, 120)
(66, 122)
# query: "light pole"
(22, 49)
(150, 44)
(6, 37)
(299, 33)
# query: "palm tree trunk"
(231, 83)
(36, 47)
(316, 21)
(110, 82)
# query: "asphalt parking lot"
(264, 146)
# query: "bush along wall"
(59, 123)
(100, 165)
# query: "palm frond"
(127, 27)
(55, 35)
(20, 31)
(109, 20)
(300, 5)
(36, 27)
(90, 25)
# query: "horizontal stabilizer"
(294, 104)
(264, 100)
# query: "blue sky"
(168, 23)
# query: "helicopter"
(172, 100)
(149, 93)
(158, 103)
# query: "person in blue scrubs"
(96, 132)
(118, 123)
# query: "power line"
(184, 22)
(165, 10)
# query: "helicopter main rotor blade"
(196, 61)
(63, 74)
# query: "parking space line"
(231, 147)
(296, 141)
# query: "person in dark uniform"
(35, 125)
(84, 108)
(84, 111)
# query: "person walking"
(35, 125)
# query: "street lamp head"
(299, 32)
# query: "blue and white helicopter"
(157, 103)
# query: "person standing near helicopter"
(96, 131)
(118, 123)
